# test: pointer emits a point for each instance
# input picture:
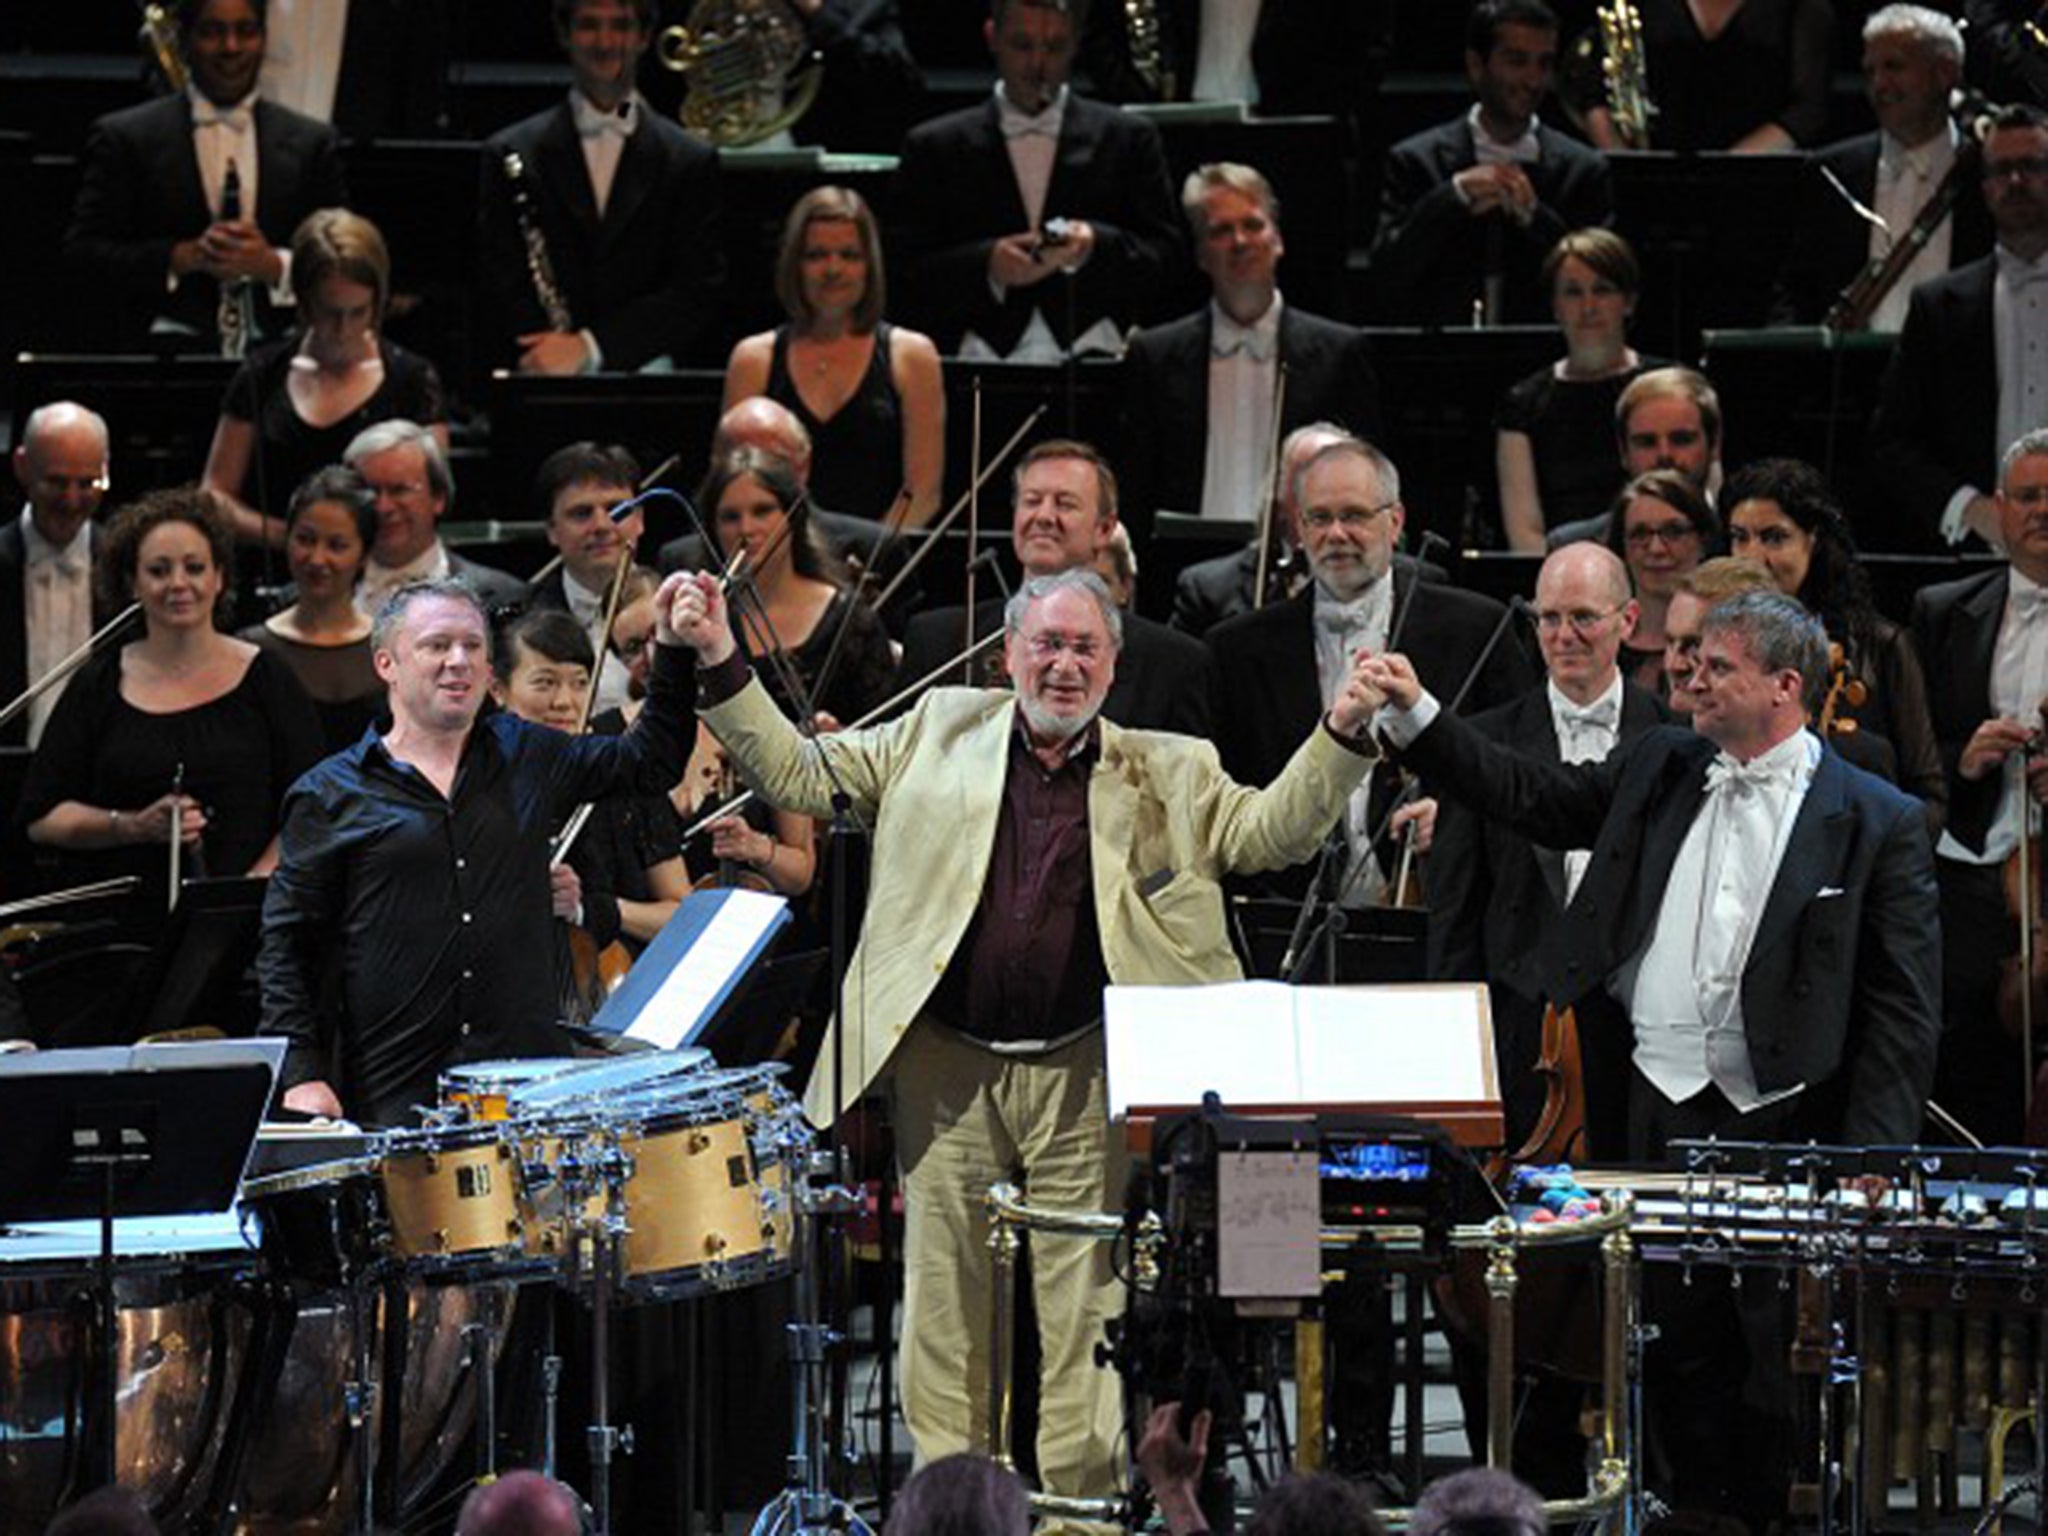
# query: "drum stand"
(807, 1504)
(598, 1248)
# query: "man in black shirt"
(421, 855)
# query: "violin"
(1845, 690)
(2023, 975)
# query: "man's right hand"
(313, 1098)
(1173, 1466)
(1503, 188)
(696, 613)
(1990, 745)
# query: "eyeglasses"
(1045, 645)
(1584, 621)
(1643, 536)
(404, 489)
(628, 649)
(1322, 519)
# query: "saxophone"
(749, 69)
(1628, 85)
(158, 39)
(539, 265)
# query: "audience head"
(111, 1511)
(831, 260)
(342, 275)
(1061, 637)
(1296, 449)
(1593, 281)
(1510, 56)
(1709, 582)
(61, 466)
(1480, 1501)
(755, 499)
(224, 42)
(1763, 670)
(1117, 564)
(1348, 515)
(407, 473)
(328, 530)
(1235, 221)
(2023, 504)
(1584, 613)
(1062, 506)
(604, 40)
(963, 1495)
(541, 668)
(1662, 527)
(1670, 418)
(1912, 59)
(431, 645)
(767, 427)
(1783, 514)
(173, 551)
(520, 1504)
(1316, 1504)
(1033, 45)
(575, 491)
(2016, 178)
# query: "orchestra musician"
(420, 856)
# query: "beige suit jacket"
(1165, 824)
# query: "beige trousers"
(966, 1118)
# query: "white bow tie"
(50, 567)
(1344, 618)
(1726, 773)
(234, 119)
(1602, 713)
(593, 122)
(1238, 339)
(2020, 274)
(2027, 603)
(1017, 126)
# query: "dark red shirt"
(1030, 965)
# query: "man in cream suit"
(1026, 853)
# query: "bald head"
(1583, 614)
(61, 466)
(520, 1504)
(768, 427)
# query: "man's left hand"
(690, 610)
(1419, 814)
(565, 893)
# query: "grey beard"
(1052, 727)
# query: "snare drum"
(451, 1195)
(484, 1090)
(593, 1084)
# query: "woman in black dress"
(869, 393)
(323, 637)
(186, 726)
(1783, 515)
(293, 406)
(1554, 440)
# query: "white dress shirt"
(604, 136)
(1906, 179)
(56, 609)
(1341, 628)
(1684, 990)
(2019, 682)
(1586, 733)
(1237, 464)
(2019, 337)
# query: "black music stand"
(163, 1130)
(191, 972)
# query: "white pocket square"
(1828, 890)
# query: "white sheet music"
(743, 919)
(1265, 1043)
(1269, 1223)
